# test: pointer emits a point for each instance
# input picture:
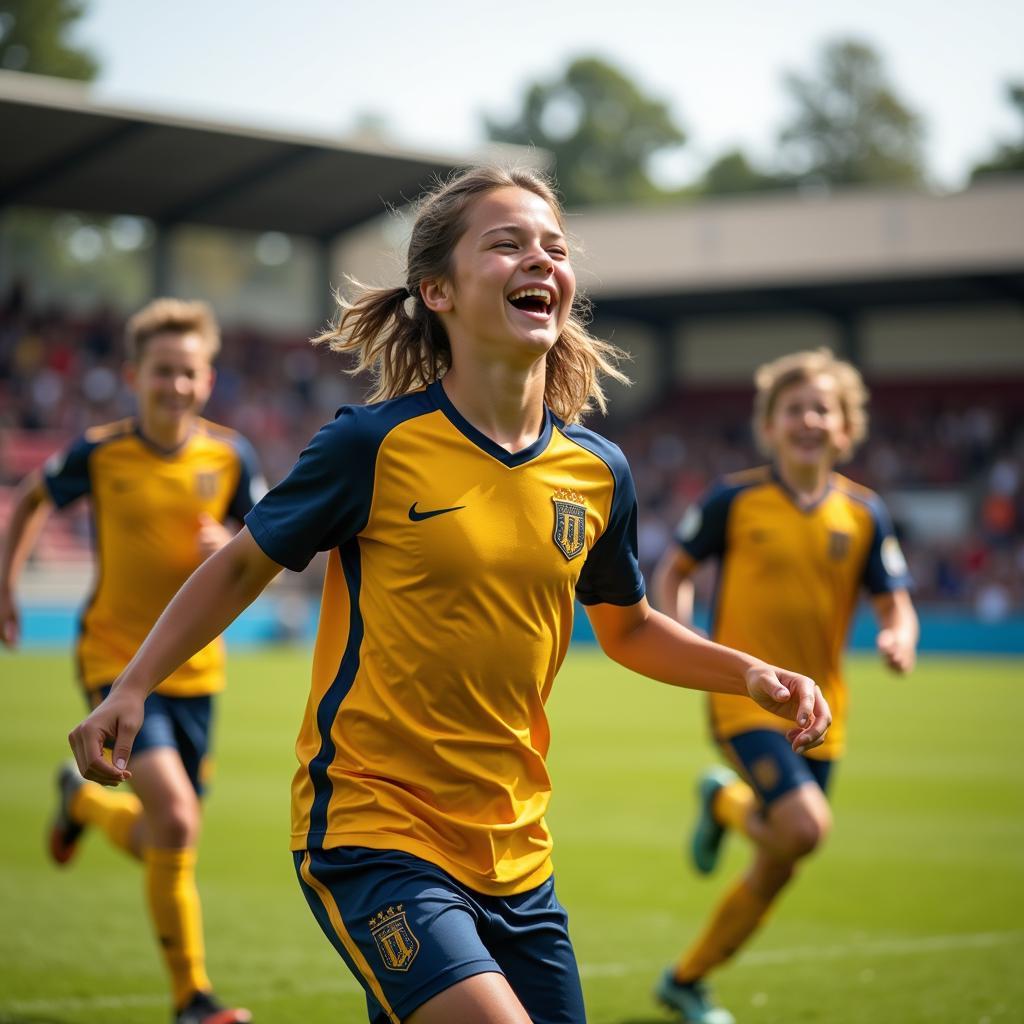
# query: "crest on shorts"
(206, 484)
(570, 533)
(395, 941)
(838, 545)
(765, 771)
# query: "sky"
(430, 71)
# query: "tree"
(849, 126)
(1010, 155)
(733, 173)
(601, 129)
(33, 37)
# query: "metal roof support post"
(323, 305)
(671, 336)
(848, 332)
(162, 261)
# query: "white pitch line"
(72, 1003)
(886, 947)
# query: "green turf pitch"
(912, 912)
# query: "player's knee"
(175, 824)
(807, 833)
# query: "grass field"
(911, 914)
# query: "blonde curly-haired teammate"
(796, 542)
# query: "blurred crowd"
(948, 459)
(962, 444)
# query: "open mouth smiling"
(807, 443)
(533, 299)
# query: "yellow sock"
(114, 812)
(174, 907)
(732, 805)
(733, 922)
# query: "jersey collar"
(792, 495)
(481, 440)
(156, 449)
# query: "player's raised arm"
(211, 599)
(212, 535)
(31, 508)
(672, 585)
(898, 629)
(652, 644)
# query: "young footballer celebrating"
(462, 512)
(160, 486)
(795, 543)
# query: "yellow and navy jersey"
(146, 506)
(788, 582)
(446, 612)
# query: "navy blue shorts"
(772, 767)
(184, 723)
(407, 930)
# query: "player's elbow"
(665, 584)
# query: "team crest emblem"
(838, 545)
(766, 772)
(395, 941)
(570, 532)
(206, 485)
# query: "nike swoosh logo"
(417, 516)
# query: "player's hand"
(212, 535)
(10, 620)
(118, 719)
(897, 649)
(793, 696)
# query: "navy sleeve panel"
(611, 574)
(701, 532)
(885, 569)
(66, 474)
(251, 485)
(325, 499)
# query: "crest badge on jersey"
(838, 545)
(394, 938)
(206, 484)
(570, 533)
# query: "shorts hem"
(439, 983)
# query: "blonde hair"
(175, 315)
(771, 379)
(405, 349)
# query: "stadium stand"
(59, 373)
(960, 443)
